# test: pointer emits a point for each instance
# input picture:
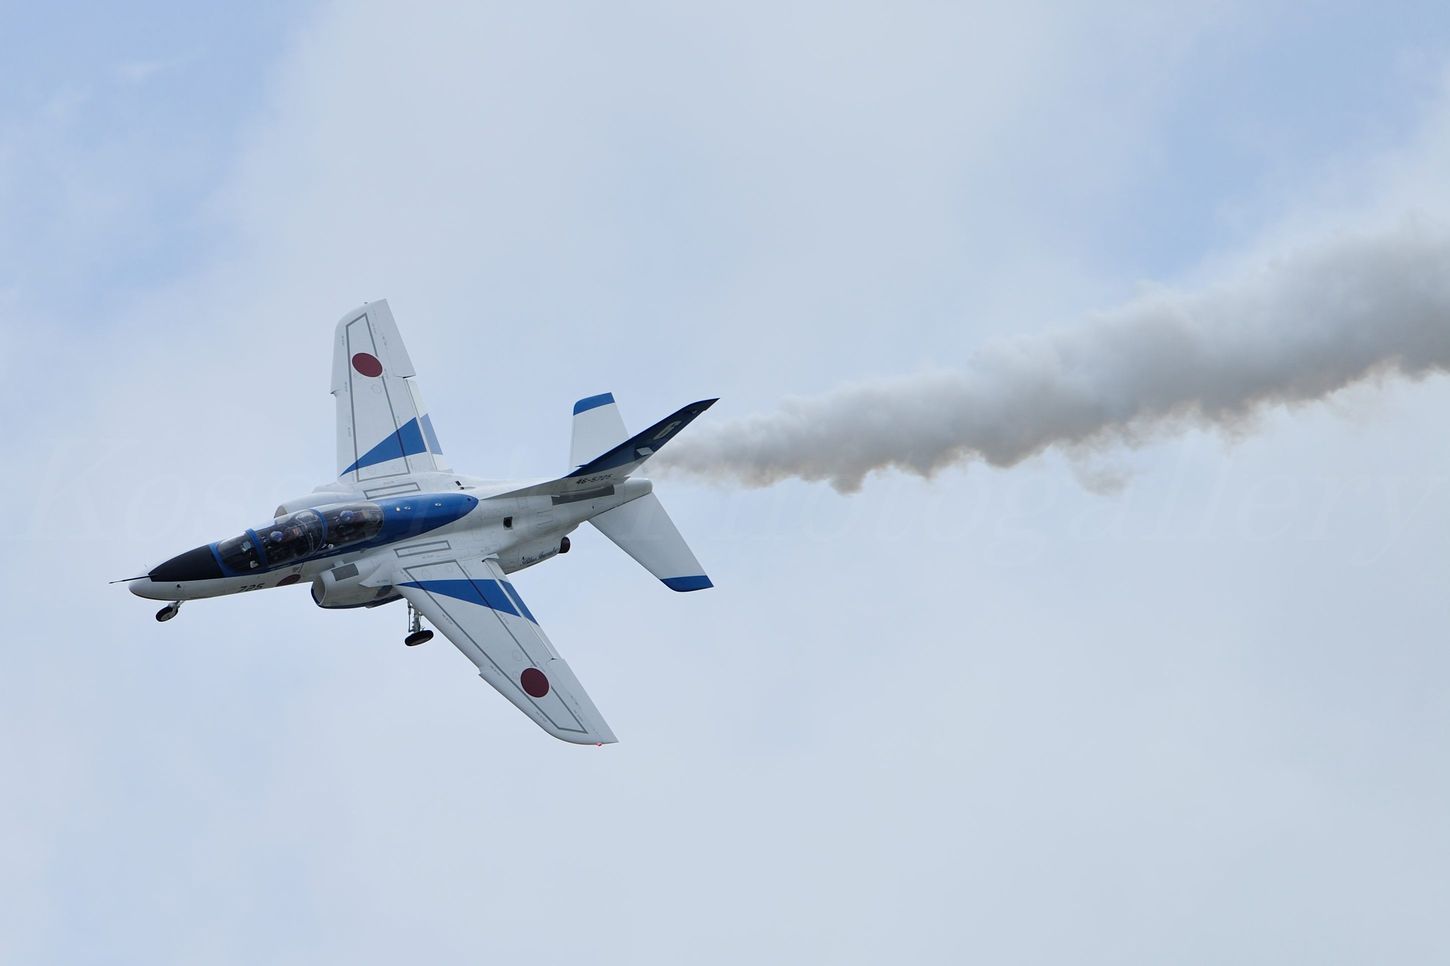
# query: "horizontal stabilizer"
(642, 529)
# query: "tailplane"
(642, 529)
(603, 453)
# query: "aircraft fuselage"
(320, 539)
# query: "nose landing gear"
(169, 611)
(416, 634)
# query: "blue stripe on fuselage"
(415, 513)
(403, 517)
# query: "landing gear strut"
(169, 611)
(416, 634)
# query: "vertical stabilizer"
(598, 427)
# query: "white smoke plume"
(1293, 330)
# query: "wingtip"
(598, 740)
(359, 309)
(683, 585)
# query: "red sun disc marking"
(534, 682)
(289, 579)
(367, 364)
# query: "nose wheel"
(169, 611)
(416, 634)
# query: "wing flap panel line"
(508, 588)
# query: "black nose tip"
(198, 564)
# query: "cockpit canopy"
(301, 535)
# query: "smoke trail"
(1295, 330)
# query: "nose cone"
(145, 587)
(198, 564)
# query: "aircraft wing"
(472, 603)
(383, 428)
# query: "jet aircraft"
(398, 524)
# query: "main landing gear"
(416, 634)
(169, 611)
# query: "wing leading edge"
(478, 609)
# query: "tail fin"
(596, 418)
(642, 529)
(617, 463)
(597, 427)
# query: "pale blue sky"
(994, 717)
(118, 123)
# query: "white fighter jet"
(398, 524)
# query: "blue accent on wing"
(593, 402)
(508, 588)
(431, 436)
(486, 593)
(684, 584)
(645, 444)
(407, 441)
